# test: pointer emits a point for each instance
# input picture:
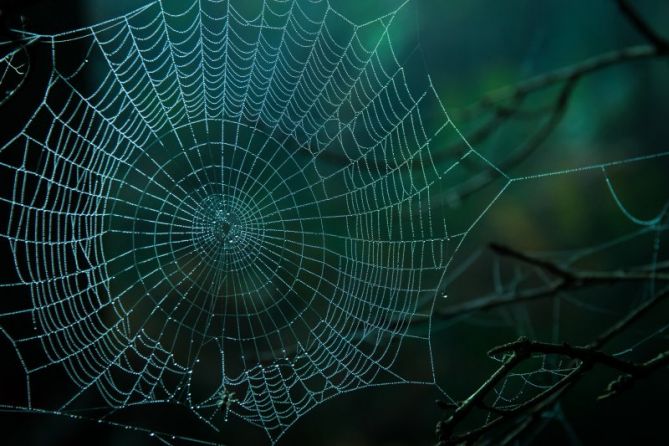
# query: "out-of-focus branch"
(563, 74)
(658, 47)
(565, 280)
(569, 76)
(489, 173)
(644, 29)
(546, 265)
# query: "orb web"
(227, 209)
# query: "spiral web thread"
(234, 209)
(225, 210)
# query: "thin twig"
(546, 265)
(640, 24)
(584, 354)
(567, 280)
(520, 153)
(445, 428)
(560, 75)
(522, 349)
(518, 351)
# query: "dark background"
(472, 48)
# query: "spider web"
(225, 209)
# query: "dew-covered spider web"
(225, 207)
(237, 210)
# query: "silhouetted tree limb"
(565, 280)
(527, 413)
(569, 76)
(587, 355)
(660, 43)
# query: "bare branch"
(644, 29)
(524, 416)
(587, 355)
(567, 280)
(445, 428)
(549, 267)
(522, 349)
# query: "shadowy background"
(473, 47)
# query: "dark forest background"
(549, 234)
